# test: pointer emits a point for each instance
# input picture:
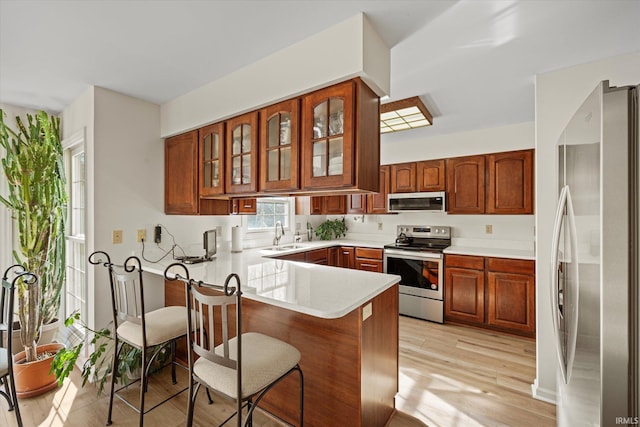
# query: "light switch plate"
(367, 311)
(116, 236)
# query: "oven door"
(421, 273)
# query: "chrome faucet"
(279, 233)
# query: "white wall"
(558, 96)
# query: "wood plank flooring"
(450, 376)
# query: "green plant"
(99, 366)
(332, 228)
(37, 199)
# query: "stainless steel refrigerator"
(594, 292)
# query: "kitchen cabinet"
(492, 293)
(346, 257)
(340, 142)
(369, 259)
(332, 256)
(181, 174)
(511, 294)
(242, 154)
(464, 289)
(510, 182)
(430, 175)
(334, 205)
(373, 203)
(321, 205)
(403, 177)
(466, 185)
(244, 206)
(279, 136)
(211, 160)
(317, 256)
(298, 256)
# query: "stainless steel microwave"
(417, 202)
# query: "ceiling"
(472, 62)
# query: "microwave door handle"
(555, 312)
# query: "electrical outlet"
(488, 229)
(142, 235)
(116, 236)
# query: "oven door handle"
(413, 255)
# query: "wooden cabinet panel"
(317, 256)
(211, 160)
(357, 204)
(298, 256)
(464, 295)
(334, 205)
(332, 256)
(370, 253)
(377, 202)
(346, 257)
(369, 265)
(279, 148)
(243, 206)
(430, 175)
(511, 301)
(466, 185)
(181, 174)
(510, 182)
(508, 265)
(403, 177)
(340, 142)
(464, 261)
(317, 205)
(242, 154)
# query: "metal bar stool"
(240, 366)
(149, 332)
(7, 298)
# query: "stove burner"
(422, 239)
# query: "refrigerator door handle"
(570, 296)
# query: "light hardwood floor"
(450, 376)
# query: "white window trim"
(264, 232)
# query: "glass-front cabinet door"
(242, 149)
(279, 130)
(211, 155)
(328, 137)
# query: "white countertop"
(492, 252)
(317, 290)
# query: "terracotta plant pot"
(33, 378)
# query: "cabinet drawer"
(318, 256)
(464, 261)
(369, 265)
(507, 265)
(371, 253)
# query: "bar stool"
(7, 298)
(149, 332)
(241, 366)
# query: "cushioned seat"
(163, 324)
(4, 362)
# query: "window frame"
(290, 214)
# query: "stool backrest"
(13, 277)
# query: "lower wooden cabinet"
(317, 256)
(360, 258)
(369, 259)
(346, 257)
(494, 293)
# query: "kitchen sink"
(284, 247)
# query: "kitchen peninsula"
(344, 323)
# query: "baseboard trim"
(543, 394)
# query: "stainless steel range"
(416, 256)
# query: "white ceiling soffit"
(473, 63)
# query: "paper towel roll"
(236, 239)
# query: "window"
(268, 212)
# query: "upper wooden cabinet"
(279, 130)
(340, 143)
(403, 177)
(334, 205)
(181, 174)
(211, 160)
(321, 205)
(357, 204)
(466, 185)
(377, 202)
(510, 182)
(430, 175)
(242, 151)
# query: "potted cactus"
(37, 199)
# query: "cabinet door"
(317, 205)
(357, 204)
(211, 157)
(377, 202)
(430, 175)
(346, 257)
(317, 256)
(332, 256)
(241, 154)
(181, 174)
(510, 186)
(466, 185)
(279, 132)
(464, 295)
(403, 178)
(334, 205)
(511, 301)
(328, 137)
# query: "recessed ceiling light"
(404, 114)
